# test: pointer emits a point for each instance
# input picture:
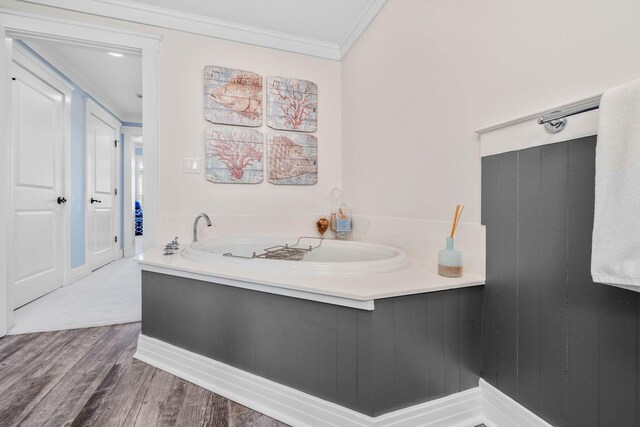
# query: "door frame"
(92, 108)
(128, 192)
(15, 23)
(33, 66)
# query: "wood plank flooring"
(88, 377)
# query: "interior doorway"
(58, 220)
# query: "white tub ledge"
(382, 272)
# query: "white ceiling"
(325, 28)
(113, 81)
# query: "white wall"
(428, 73)
(182, 124)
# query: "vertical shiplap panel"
(507, 277)
(584, 296)
(529, 268)
(452, 342)
(406, 350)
(384, 345)
(346, 356)
(470, 347)
(435, 333)
(419, 320)
(553, 280)
(327, 350)
(366, 361)
(617, 357)
(489, 314)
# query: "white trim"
(361, 26)
(128, 190)
(529, 117)
(198, 24)
(500, 410)
(270, 289)
(295, 407)
(531, 134)
(483, 404)
(525, 132)
(6, 312)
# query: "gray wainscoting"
(559, 344)
(408, 350)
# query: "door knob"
(95, 201)
(61, 200)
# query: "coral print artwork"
(293, 158)
(232, 97)
(292, 104)
(234, 155)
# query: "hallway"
(108, 296)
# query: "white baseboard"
(501, 410)
(295, 407)
(75, 274)
(481, 405)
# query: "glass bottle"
(343, 222)
(450, 260)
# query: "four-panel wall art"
(234, 152)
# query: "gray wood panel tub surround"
(408, 350)
(564, 347)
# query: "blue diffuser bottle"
(450, 260)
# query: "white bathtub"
(331, 258)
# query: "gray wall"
(408, 350)
(559, 344)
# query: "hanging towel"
(615, 258)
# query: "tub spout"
(195, 225)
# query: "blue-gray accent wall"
(564, 347)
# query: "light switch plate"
(191, 165)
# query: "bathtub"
(343, 273)
(327, 257)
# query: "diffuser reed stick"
(456, 219)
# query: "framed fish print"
(292, 104)
(234, 155)
(292, 158)
(232, 97)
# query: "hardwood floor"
(86, 377)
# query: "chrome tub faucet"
(195, 225)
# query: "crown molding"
(361, 26)
(197, 24)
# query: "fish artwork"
(292, 158)
(232, 97)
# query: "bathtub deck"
(88, 377)
(349, 291)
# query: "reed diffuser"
(450, 259)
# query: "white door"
(37, 182)
(102, 134)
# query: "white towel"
(615, 258)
